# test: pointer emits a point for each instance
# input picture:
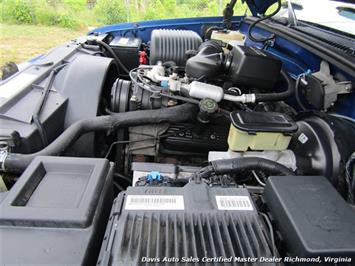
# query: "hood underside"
(259, 6)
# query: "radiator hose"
(17, 163)
(235, 165)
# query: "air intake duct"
(172, 45)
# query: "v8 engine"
(199, 137)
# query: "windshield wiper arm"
(228, 14)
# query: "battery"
(127, 50)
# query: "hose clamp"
(250, 98)
(3, 156)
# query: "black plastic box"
(254, 67)
(127, 50)
(56, 212)
(16, 119)
(193, 221)
(312, 217)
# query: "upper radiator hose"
(172, 45)
(16, 163)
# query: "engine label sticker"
(241, 203)
(154, 202)
(303, 138)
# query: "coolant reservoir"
(260, 131)
(229, 36)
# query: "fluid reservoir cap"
(208, 105)
(164, 83)
(263, 122)
(153, 176)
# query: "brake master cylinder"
(260, 131)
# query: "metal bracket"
(3, 156)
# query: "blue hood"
(259, 6)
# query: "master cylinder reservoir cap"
(260, 131)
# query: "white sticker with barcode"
(241, 203)
(154, 202)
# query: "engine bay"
(204, 149)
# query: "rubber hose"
(230, 166)
(16, 163)
(251, 37)
(277, 96)
(118, 61)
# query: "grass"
(18, 43)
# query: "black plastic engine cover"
(207, 63)
(197, 140)
(254, 67)
(56, 212)
(312, 217)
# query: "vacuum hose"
(277, 96)
(235, 165)
(16, 163)
(117, 59)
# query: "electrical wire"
(297, 93)
(156, 90)
(352, 120)
(271, 230)
(123, 142)
(272, 36)
(118, 186)
(117, 59)
(235, 90)
(148, 78)
(126, 178)
(349, 178)
(91, 52)
(180, 98)
(297, 88)
(145, 139)
(258, 179)
(42, 100)
(137, 83)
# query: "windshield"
(338, 15)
